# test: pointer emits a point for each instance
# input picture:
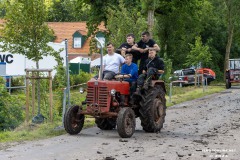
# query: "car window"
(189, 72)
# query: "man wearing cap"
(142, 46)
(153, 68)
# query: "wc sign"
(6, 58)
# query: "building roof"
(65, 30)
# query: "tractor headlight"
(113, 92)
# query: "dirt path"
(206, 128)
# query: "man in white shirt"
(111, 63)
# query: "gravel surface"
(205, 128)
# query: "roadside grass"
(182, 94)
(45, 130)
(28, 132)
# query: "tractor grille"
(235, 75)
(97, 96)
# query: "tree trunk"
(38, 88)
(150, 21)
(230, 37)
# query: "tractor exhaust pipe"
(101, 59)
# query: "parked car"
(207, 73)
(187, 76)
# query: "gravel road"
(205, 128)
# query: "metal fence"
(9, 79)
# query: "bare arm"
(156, 47)
(135, 47)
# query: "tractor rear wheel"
(228, 84)
(153, 109)
(105, 123)
(73, 120)
(126, 122)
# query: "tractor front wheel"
(73, 120)
(126, 122)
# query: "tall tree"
(232, 16)
(25, 30)
(122, 20)
(27, 33)
(178, 23)
(149, 6)
(199, 54)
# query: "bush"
(11, 109)
(83, 77)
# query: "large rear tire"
(228, 84)
(105, 123)
(126, 122)
(73, 120)
(153, 109)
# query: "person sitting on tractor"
(126, 48)
(129, 72)
(111, 63)
(154, 67)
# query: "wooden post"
(33, 94)
(50, 95)
(27, 97)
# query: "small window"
(77, 42)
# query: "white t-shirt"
(112, 62)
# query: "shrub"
(11, 109)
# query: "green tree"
(26, 32)
(122, 20)
(199, 53)
(232, 17)
(67, 11)
(177, 24)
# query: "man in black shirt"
(153, 68)
(142, 46)
(126, 48)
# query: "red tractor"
(112, 105)
(109, 103)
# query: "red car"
(207, 73)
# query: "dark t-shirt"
(157, 63)
(136, 54)
(144, 45)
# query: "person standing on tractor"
(142, 46)
(111, 63)
(153, 69)
(126, 48)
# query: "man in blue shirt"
(129, 71)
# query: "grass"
(38, 131)
(47, 129)
(182, 94)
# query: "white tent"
(81, 60)
(95, 62)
